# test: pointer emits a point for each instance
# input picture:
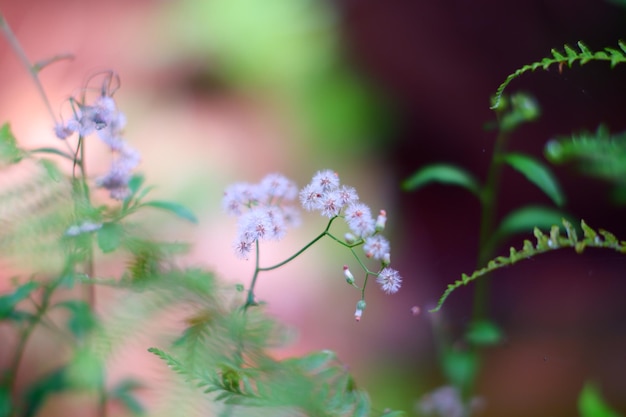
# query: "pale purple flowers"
(103, 118)
(264, 210)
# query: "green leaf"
(443, 173)
(9, 151)
(591, 404)
(484, 333)
(9, 301)
(313, 361)
(538, 174)
(38, 392)
(109, 237)
(5, 402)
(525, 219)
(124, 393)
(460, 367)
(175, 208)
(81, 320)
(51, 168)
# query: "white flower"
(389, 280)
(376, 247)
(359, 219)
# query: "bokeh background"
(218, 91)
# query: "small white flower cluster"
(264, 210)
(103, 118)
(325, 194)
(84, 227)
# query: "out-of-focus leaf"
(81, 320)
(525, 219)
(5, 402)
(591, 403)
(8, 302)
(174, 208)
(124, 393)
(52, 170)
(443, 173)
(460, 367)
(109, 237)
(537, 173)
(9, 151)
(38, 392)
(484, 333)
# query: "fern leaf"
(569, 56)
(544, 243)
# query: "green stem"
(250, 299)
(24, 337)
(487, 224)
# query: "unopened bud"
(348, 275)
(386, 259)
(349, 238)
(360, 306)
(381, 221)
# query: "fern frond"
(599, 154)
(545, 243)
(569, 56)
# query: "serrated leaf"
(109, 237)
(484, 333)
(537, 173)
(442, 173)
(175, 208)
(10, 153)
(591, 403)
(9, 301)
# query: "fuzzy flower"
(359, 219)
(120, 173)
(376, 247)
(262, 209)
(389, 280)
(103, 118)
(325, 180)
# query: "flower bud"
(348, 275)
(349, 238)
(381, 221)
(360, 306)
(386, 259)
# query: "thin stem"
(487, 223)
(32, 70)
(250, 299)
(25, 336)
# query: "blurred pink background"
(371, 90)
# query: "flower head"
(389, 280)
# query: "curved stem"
(250, 299)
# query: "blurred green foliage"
(290, 52)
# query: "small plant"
(224, 347)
